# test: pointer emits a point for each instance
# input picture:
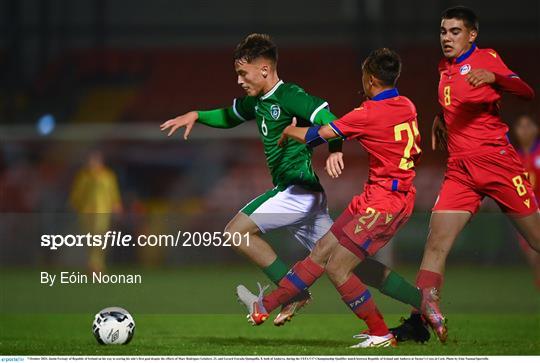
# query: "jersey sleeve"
(495, 64)
(243, 109)
(308, 107)
(506, 79)
(351, 125)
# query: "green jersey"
(273, 112)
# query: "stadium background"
(96, 74)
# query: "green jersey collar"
(271, 92)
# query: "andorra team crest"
(466, 68)
(275, 112)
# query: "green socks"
(276, 270)
(398, 288)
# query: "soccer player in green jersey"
(297, 202)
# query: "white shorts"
(302, 212)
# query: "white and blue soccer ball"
(113, 325)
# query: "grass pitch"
(192, 311)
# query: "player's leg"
(290, 208)
(444, 227)
(308, 231)
(357, 297)
(507, 183)
(529, 227)
(533, 258)
(372, 272)
(297, 281)
(307, 271)
(364, 235)
(304, 273)
(375, 274)
(254, 247)
(457, 202)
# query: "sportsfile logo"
(121, 239)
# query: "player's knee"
(234, 228)
(322, 251)
(237, 225)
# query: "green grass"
(308, 334)
(192, 311)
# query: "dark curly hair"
(254, 46)
(384, 64)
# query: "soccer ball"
(113, 325)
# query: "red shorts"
(499, 175)
(372, 219)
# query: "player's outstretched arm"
(312, 136)
(515, 86)
(222, 118)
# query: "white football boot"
(375, 341)
(257, 314)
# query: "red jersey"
(472, 114)
(386, 127)
(531, 163)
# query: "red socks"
(299, 278)
(358, 298)
(353, 292)
(426, 279)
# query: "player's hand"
(284, 135)
(480, 77)
(334, 164)
(438, 134)
(187, 120)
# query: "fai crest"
(275, 111)
(466, 68)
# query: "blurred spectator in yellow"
(95, 196)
